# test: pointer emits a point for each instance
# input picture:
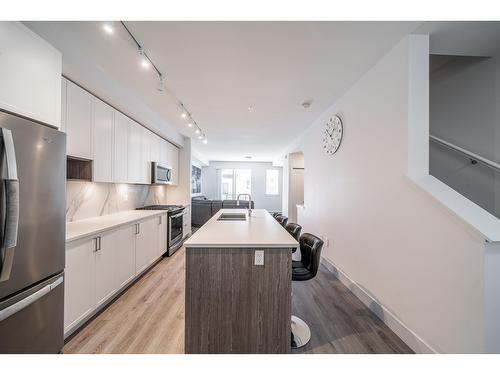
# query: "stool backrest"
(310, 251)
(294, 230)
(282, 220)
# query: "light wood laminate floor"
(149, 317)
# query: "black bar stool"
(305, 269)
(275, 214)
(282, 220)
(294, 230)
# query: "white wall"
(269, 202)
(403, 247)
(295, 183)
(463, 106)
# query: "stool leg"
(301, 334)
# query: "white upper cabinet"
(78, 122)
(155, 148)
(134, 152)
(163, 152)
(64, 83)
(173, 162)
(30, 74)
(120, 150)
(146, 138)
(102, 141)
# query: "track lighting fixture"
(146, 63)
(144, 59)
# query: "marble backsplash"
(90, 199)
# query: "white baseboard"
(415, 342)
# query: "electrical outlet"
(259, 258)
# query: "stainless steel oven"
(175, 231)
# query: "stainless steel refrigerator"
(32, 236)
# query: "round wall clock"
(332, 135)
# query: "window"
(272, 181)
(234, 182)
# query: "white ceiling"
(218, 69)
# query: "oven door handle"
(177, 215)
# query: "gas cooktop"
(168, 207)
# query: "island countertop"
(260, 230)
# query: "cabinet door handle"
(99, 243)
(96, 245)
(137, 228)
(159, 222)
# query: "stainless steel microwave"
(160, 174)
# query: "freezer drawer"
(32, 321)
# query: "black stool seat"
(310, 251)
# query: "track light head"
(161, 84)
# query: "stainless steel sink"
(232, 217)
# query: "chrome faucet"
(249, 202)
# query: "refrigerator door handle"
(18, 306)
(11, 218)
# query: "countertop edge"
(239, 245)
(118, 224)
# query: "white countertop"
(260, 230)
(88, 227)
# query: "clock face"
(332, 135)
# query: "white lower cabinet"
(162, 234)
(125, 260)
(79, 286)
(146, 244)
(106, 255)
(98, 267)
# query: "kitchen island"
(238, 285)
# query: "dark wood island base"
(234, 306)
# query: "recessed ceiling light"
(251, 109)
(108, 28)
(248, 157)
